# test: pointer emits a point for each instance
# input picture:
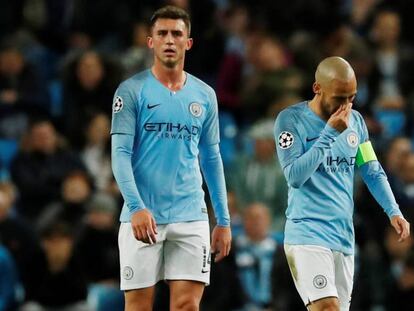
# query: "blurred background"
(60, 63)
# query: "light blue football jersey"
(167, 127)
(320, 198)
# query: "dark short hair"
(171, 12)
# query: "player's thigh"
(141, 264)
(187, 252)
(185, 295)
(139, 299)
(313, 271)
(344, 275)
(330, 303)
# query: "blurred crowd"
(60, 63)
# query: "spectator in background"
(15, 234)
(10, 17)
(96, 152)
(389, 260)
(272, 75)
(402, 297)
(56, 279)
(71, 208)
(232, 65)
(89, 83)
(40, 167)
(390, 84)
(137, 57)
(8, 281)
(396, 151)
(258, 177)
(254, 252)
(97, 244)
(22, 93)
(405, 191)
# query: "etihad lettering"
(169, 130)
(337, 165)
(171, 127)
(330, 161)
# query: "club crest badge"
(196, 109)
(320, 281)
(127, 273)
(352, 139)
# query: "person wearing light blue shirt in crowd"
(8, 280)
(164, 128)
(254, 252)
(319, 143)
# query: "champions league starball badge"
(118, 104)
(286, 140)
(196, 109)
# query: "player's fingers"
(406, 230)
(154, 226)
(348, 110)
(138, 234)
(227, 249)
(135, 232)
(143, 234)
(397, 227)
(213, 246)
(219, 255)
(151, 235)
(337, 111)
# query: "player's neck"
(172, 78)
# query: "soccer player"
(319, 142)
(164, 127)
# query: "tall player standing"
(319, 142)
(164, 121)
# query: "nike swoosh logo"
(310, 139)
(152, 106)
(202, 271)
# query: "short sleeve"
(287, 137)
(124, 111)
(210, 134)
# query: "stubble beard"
(326, 114)
(170, 63)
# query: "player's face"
(336, 94)
(169, 40)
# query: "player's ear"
(150, 43)
(316, 88)
(189, 43)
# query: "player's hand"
(144, 226)
(220, 242)
(402, 227)
(339, 120)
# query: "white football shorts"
(319, 272)
(182, 252)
